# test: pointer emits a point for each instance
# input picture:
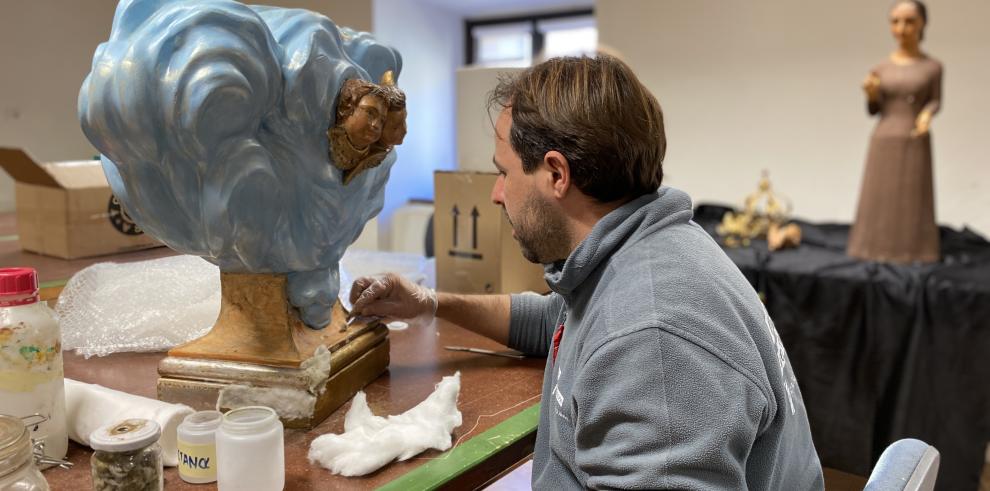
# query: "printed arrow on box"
(455, 212)
(474, 227)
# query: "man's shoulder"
(680, 281)
(660, 273)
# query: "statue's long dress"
(895, 220)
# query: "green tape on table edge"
(8, 238)
(52, 283)
(456, 461)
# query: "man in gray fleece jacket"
(664, 370)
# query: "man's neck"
(586, 214)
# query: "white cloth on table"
(90, 406)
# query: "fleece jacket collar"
(622, 225)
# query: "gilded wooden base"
(258, 325)
(180, 381)
(259, 341)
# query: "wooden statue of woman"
(895, 220)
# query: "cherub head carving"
(395, 122)
(361, 112)
(371, 119)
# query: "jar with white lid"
(126, 456)
(250, 450)
(17, 469)
(31, 377)
(196, 436)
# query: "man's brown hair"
(597, 114)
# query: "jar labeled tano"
(127, 456)
(31, 379)
(17, 469)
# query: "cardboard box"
(475, 251)
(66, 209)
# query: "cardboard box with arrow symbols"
(473, 240)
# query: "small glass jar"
(197, 447)
(17, 469)
(250, 450)
(127, 456)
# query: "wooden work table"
(498, 400)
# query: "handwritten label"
(197, 461)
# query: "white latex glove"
(391, 296)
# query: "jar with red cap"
(31, 377)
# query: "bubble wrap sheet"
(157, 304)
(143, 306)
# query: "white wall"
(46, 48)
(475, 133)
(774, 85)
(430, 40)
(482, 9)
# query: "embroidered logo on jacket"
(559, 397)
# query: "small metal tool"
(507, 354)
(351, 319)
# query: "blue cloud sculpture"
(212, 117)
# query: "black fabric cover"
(881, 351)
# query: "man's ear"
(559, 173)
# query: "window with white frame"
(574, 36)
(503, 45)
(521, 40)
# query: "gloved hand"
(391, 296)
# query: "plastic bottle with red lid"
(18, 286)
(31, 373)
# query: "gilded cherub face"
(395, 127)
(364, 125)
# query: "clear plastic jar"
(197, 446)
(31, 377)
(127, 456)
(17, 469)
(250, 450)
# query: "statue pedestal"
(256, 351)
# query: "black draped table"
(881, 351)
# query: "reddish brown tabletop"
(493, 390)
(495, 386)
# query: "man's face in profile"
(537, 223)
